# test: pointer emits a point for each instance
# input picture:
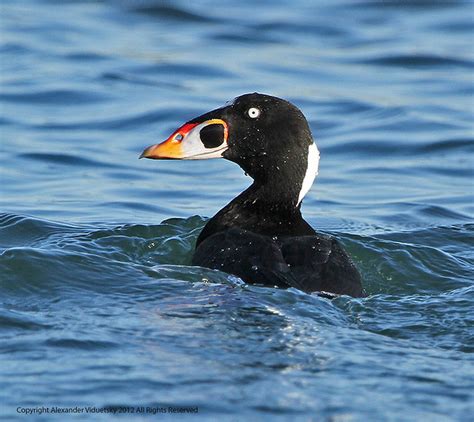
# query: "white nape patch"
(311, 171)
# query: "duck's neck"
(271, 209)
(271, 205)
(276, 198)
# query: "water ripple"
(54, 97)
(172, 12)
(66, 160)
(420, 61)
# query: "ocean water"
(99, 306)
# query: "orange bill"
(192, 141)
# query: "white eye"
(253, 112)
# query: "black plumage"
(261, 236)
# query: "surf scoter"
(260, 236)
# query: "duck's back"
(313, 263)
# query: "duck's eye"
(253, 112)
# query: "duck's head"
(267, 136)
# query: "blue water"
(99, 306)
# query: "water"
(99, 304)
